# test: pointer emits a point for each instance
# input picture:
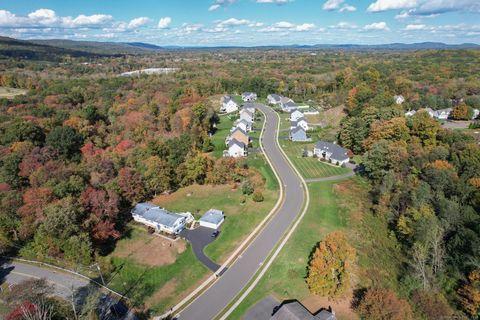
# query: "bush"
(243, 200)
(247, 188)
(257, 196)
(383, 304)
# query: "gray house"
(331, 151)
(294, 310)
(298, 134)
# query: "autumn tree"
(158, 174)
(383, 304)
(462, 112)
(469, 294)
(132, 185)
(330, 266)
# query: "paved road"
(200, 238)
(14, 272)
(219, 295)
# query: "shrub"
(257, 196)
(432, 305)
(243, 200)
(383, 304)
(247, 188)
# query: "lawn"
(309, 167)
(223, 130)
(326, 213)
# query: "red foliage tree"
(132, 184)
(103, 207)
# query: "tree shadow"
(5, 270)
(358, 295)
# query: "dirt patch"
(352, 199)
(333, 116)
(151, 250)
(164, 292)
(342, 307)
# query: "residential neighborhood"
(331, 152)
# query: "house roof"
(236, 142)
(213, 216)
(248, 105)
(245, 111)
(275, 97)
(293, 311)
(296, 129)
(247, 123)
(225, 99)
(338, 153)
(296, 110)
(248, 94)
(285, 99)
(239, 129)
(290, 104)
(156, 214)
(295, 122)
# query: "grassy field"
(218, 138)
(307, 166)
(326, 213)
(10, 93)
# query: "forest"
(84, 145)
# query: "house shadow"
(5, 269)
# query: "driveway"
(225, 289)
(200, 238)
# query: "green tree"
(66, 140)
(21, 131)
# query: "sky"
(244, 22)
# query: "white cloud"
(343, 25)
(164, 22)
(220, 3)
(332, 5)
(347, 8)
(426, 7)
(138, 22)
(83, 20)
(233, 22)
(284, 26)
(403, 15)
(377, 26)
(256, 24)
(415, 27)
(44, 16)
(8, 19)
(384, 5)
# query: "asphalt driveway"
(200, 238)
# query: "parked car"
(215, 233)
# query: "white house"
(243, 124)
(410, 113)
(476, 113)
(213, 218)
(399, 99)
(442, 114)
(274, 98)
(236, 149)
(249, 96)
(160, 219)
(228, 105)
(289, 106)
(295, 115)
(332, 152)
(246, 115)
(250, 107)
(298, 134)
(301, 122)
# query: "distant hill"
(13, 48)
(101, 47)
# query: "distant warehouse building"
(161, 219)
(213, 218)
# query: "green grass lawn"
(285, 278)
(309, 167)
(218, 138)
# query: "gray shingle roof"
(338, 153)
(296, 129)
(239, 129)
(290, 104)
(156, 214)
(293, 311)
(213, 216)
(235, 141)
(275, 97)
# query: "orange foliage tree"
(330, 267)
(470, 294)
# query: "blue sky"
(244, 22)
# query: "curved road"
(236, 277)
